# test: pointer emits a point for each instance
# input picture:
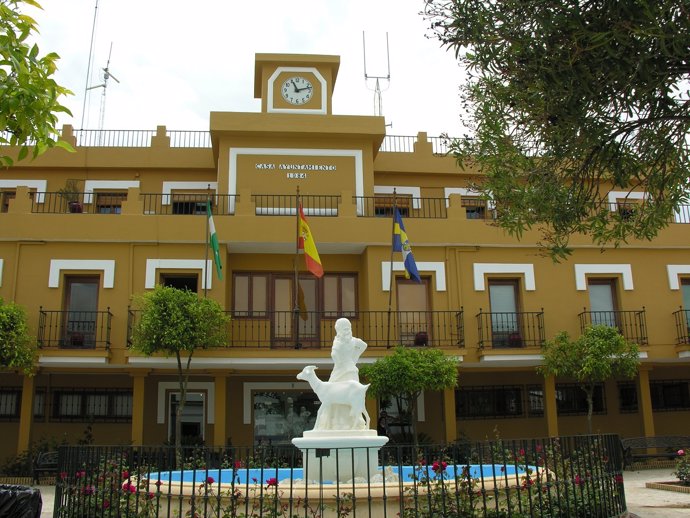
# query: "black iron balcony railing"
(286, 204)
(193, 204)
(682, 318)
(508, 330)
(405, 144)
(382, 207)
(631, 324)
(74, 329)
(315, 329)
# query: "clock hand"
(294, 86)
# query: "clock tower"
(295, 83)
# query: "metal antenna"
(106, 75)
(88, 65)
(378, 100)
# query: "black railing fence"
(510, 330)
(382, 207)
(74, 329)
(556, 478)
(682, 318)
(631, 324)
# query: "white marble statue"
(346, 410)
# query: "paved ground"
(642, 502)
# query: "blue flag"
(402, 244)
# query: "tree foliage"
(177, 323)
(408, 372)
(17, 350)
(599, 354)
(567, 100)
(29, 96)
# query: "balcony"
(682, 318)
(74, 329)
(631, 324)
(507, 330)
(382, 206)
(286, 204)
(315, 329)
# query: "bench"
(666, 446)
(45, 463)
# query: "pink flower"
(88, 490)
(63, 475)
(150, 496)
(125, 474)
(578, 481)
(522, 452)
(132, 488)
(271, 482)
(80, 474)
(681, 453)
(210, 480)
(106, 504)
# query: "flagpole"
(390, 280)
(296, 287)
(208, 201)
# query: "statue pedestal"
(339, 454)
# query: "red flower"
(106, 504)
(238, 464)
(125, 474)
(271, 482)
(210, 480)
(539, 448)
(132, 488)
(88, 490)
(63, 475)
(522, 452)
(159, 484)
(80, 474)
(150, 496)
(618, 478)
(578, 481)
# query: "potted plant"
(70, 193)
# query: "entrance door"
(192, 419)
(81, 312)
(414, 318)
(292, 328)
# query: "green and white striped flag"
(213, 239)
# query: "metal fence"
(631, 324)
(508, 330)
(555, 477)
(382, 207)
(74, 329)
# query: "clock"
(297, 90)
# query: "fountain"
(341, 445)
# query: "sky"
(178, 60)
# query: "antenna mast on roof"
(106, 75)
(88, 64)
(378, 101)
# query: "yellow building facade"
(136, 218)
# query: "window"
(602, 301)
(535, 400)
(9, 404)
(685, 290)
(189, 203)
(88, 404)
(250, 295)
(383, 205)
(339, 295)
(5, 197)
(281, 415)
(627, 398)
(503, 302)
(39, 404)
(669, 395)
(110, 202)
(181, 281)
(572, 400)
(475, 208)
(81, 315)
(493, 402)
(627, 208)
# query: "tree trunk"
(183, 378)
(413, 421)
(589, 390)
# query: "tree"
(17, 350)
(599, 354)
(176, 323)
(29, 96)
(568, 99)
(408, 372)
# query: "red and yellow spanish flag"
(305, 241)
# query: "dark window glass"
(10, 400)
(535, 400)
(572, 400)
(670, 394)
(481, 402)
(92, 404)
(627, 398)
(181, 282)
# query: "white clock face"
(297, 90)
